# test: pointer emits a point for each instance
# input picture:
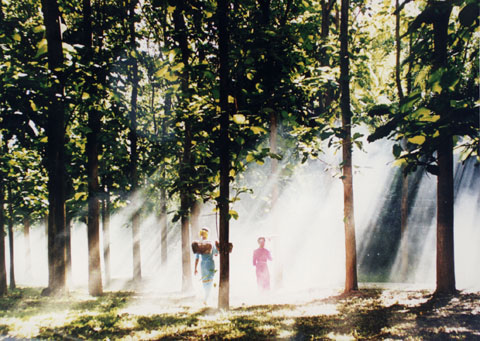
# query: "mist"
(304, 232)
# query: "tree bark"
(92, 149)
(11, 239)
(349, 221)
(55, 150)
(163, 191)
(137, 260)
(3, 267)
(398, 49)
(106, 236)
(327, 6)
(195, 223)
(185, 197)
(68, 246)
(404, 194)
(445, 195)
(28, 251)
(278, 269)
(224, 144)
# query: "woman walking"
(260, 258)
(207, 264)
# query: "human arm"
(196, 263)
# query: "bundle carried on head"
(230, 246)
(202, 247)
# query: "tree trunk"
(163, 191)
(28, 253)
(185, 196)
(349, 221)
(3, 267)
(224, 198)
(92, 150)
(327, 6)
(106, 236)
(278, 274)
(195, 223)
(404, 198)
(68, 246)
(164, 227)
(137, 260)
(445, 195)
(55, 150)
(11, 239)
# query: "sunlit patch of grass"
(368, 314)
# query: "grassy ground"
(370, 314)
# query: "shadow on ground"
(369, 314)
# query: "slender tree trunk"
(195, 223)
(11, 239)
(398, 49)
(445, 195)
(224, 143)
(3, 267)
(92, 149)
(404, 228)
(350, 242)
(327, 6)
(68, 246)
(55, 151)
(278, 274)
(28, 253)
(106, 236)
(164, 227)
(185, 196)
(163, 191)
(404, 198)
(137, 260)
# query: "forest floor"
(369, 314)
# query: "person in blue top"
(207, 264)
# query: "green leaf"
(233, 214)
(80, 195)
(258, 130)
(239, 119)
(419, 139)
(38, 29)
(42, 48)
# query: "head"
(261, 241)
(204, 233)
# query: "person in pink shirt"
(260, 258)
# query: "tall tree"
(224, 143)
(445, 196)
(27, 246)
(350, 242)
(106, 236)
(404, 193)
(163, 190)
(137, 260)
(11, 238)
(92, 149)
(55, 149)
(3, 268)
(185, 197)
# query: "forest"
(344, 133)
